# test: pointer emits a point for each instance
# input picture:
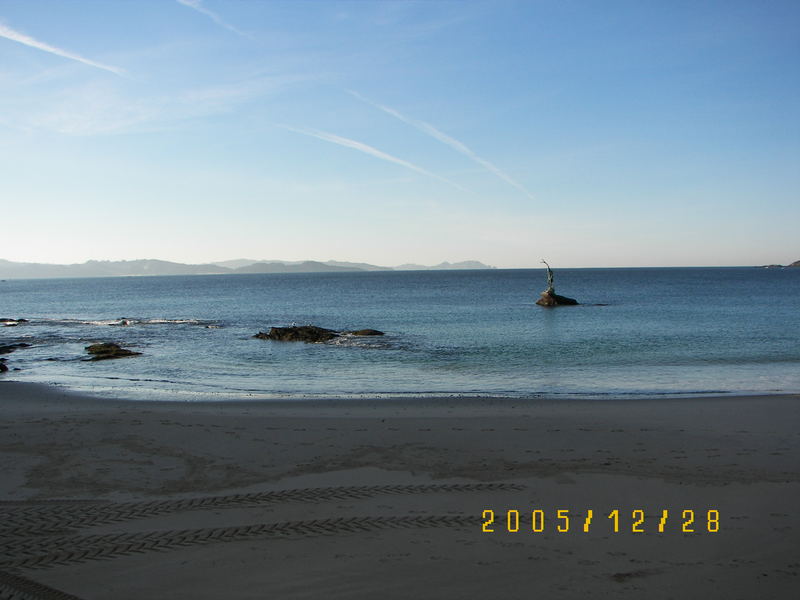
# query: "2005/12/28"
(513, 521)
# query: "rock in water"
(365, 332)
(311, 334)
(304, 333)
(12, 322)
(107, 350)
(8, 348)
(552, 299)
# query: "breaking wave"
(124, 322)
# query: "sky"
(590, 134)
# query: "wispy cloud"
(366, 149)
(17, 36)
(107, 108)
(198, 6)
(445, 139)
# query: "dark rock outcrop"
(310, 334)
(304, 333)
(107, 350)
(9, 348)
(364, 332)
(12, 322)
(795, 264)
(550, 298)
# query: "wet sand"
(364, 499)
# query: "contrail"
(445, 139)
(348, 143)
(16, 36)
(198, 6)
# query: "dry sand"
(383, 499)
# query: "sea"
(637, 333)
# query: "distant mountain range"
(247, 265)
(126, 268)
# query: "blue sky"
(587, 133)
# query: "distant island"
(794, 264)
(129, 268)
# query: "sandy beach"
(376, 498)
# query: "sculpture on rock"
(549, 296)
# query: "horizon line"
(436, 266)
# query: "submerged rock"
(364, 332)
(107, 350)
(9, 348)
(311, 334)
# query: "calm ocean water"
(638, 333)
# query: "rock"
(550, 298)
(310, 334)
(795, 264)
(107, 350)
(12, 322)
(3, 367)
(9, 348)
